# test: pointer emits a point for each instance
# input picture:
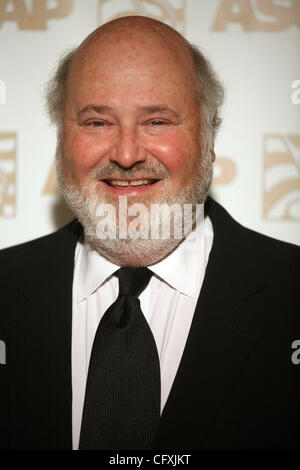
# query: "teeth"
(129, 183)
(139, 182)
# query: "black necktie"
(122, 398)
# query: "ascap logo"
(169, 11)
(33, 14)
(224, 173)
(2, 92)
(257, 15)
(281, 179)
(7, 174)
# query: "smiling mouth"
(130, 183)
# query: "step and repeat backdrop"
(254, 47)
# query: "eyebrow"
(92, 107)
(149, 109)
(158, 109)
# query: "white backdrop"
(254, 46)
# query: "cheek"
(82, 152)
(180, 154)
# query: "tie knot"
(132, 281)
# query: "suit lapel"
(220, 338)
(42, 350)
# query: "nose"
(128, 151)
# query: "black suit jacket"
(236, 386)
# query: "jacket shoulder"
(32, 252)
(239, 234)
(251, 251)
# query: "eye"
(157, 122)
(96, 123)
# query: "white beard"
(84, 201)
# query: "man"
(137, 109)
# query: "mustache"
(138, 170)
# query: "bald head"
(132, 29)
(132, 24)
(135, 45)
(144, 41)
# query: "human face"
(131, 114)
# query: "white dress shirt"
(168, 303)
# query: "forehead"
(130, 63)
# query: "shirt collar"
(94, 270)
(179, 269)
